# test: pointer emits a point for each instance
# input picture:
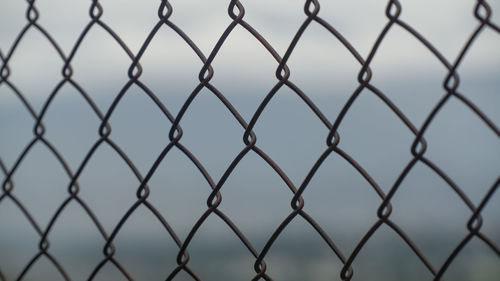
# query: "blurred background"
(254, 197)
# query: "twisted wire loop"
(236, 12)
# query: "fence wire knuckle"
(482, 12)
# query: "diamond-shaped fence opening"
(304, 140)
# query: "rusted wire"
(236, 13)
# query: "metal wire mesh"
(236, 13)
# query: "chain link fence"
(332, 145)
